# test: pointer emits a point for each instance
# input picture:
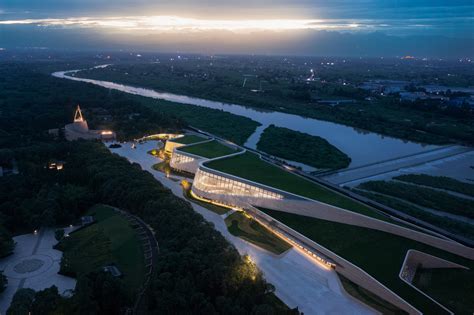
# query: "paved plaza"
(34, 264)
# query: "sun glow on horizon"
(175, 23)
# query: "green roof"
(381, 255)
(251, 167)
(188, 139)
(209, 150)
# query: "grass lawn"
(444, 285)
(188, 139)
(422, 196)
(209, 150)
(439, 182)
(209, 206)
(109, 241)
(302, 147)
(451, 225)
(250, 230)
(380, 254)
(250, 166)
(369, 298)
(164, 167)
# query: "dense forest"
(197, 271)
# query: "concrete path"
(34, 264)
(425, 162)
(298, 279)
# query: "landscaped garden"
(302, 147)
(209, 150)
(423, 196)
(380, 254)
(164, 167)
(243, 226)
(209, 206)
(454, 226)
(251, 167)
(369, 298)
(441, 182)
(109, 241)
(455, 287)
(188, 139)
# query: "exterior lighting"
(35, 232)
(106, 132)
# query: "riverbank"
(361, 146)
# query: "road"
(299, 281)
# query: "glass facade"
(217, 184)
(177, 158)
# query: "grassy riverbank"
(302, 147)
(422, 196)
(441, 182)
(448, 224)
(223, 83)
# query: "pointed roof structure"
(78, 115)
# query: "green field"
(164, 167)
(188, 139)
(422, 196)
(111, 240)
(447, 285)
(250, 230)
(448, 224)
(439, 182)
(380, 254)
(302, 147)
(369, 298)
(250, 166)
(209, 150)
(209, 206)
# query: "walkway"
(354, 176)
(34, 264)
(299, 280)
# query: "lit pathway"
(298, 280)
(34, 264)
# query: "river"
(362, 146)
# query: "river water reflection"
(363, 147)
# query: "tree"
(100, 293)
(6, 242)
(46, 301)
(3, 282)
(22, 302)
(59, 234)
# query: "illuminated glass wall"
(212, 183)
(180, 158)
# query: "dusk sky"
(305, 27)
